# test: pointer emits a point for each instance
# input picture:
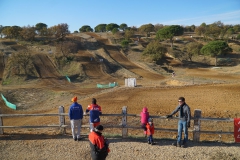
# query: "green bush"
(238, 36)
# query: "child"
(150, 130)
(144, 119)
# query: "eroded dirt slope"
(115, 53)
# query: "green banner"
(10, 105)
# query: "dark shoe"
(149, 142)
(184, 145)
(79, 139)
(152, 143)
(176, 144)
(75, 138)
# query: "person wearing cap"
(94, 114)
(183, 122)
(75, 115)
(150, 130)
(144, 119)
(98, 144)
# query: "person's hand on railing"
(168, 116)
(84, 113)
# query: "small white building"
(130, 82)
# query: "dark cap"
(99, 128)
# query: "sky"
(77, 13)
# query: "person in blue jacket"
(94, 111)
(75, 115)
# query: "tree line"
(28, 33)
(214, 30)
(216, 33)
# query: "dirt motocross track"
(214, 90)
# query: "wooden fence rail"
(196, 128)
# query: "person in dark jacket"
(98, 144)
(94, 114)
(183, 123)
(75, 115)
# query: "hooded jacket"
(150, 129)
(144, 115)
(98, 145)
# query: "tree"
(215, 48)
(189, 28)
(100, 28)
(66, 47)
(50, 32)
(124, 43)
(238, 37)
(213, 30)
(85, 28)
(40, 27)
(128, 34)
(11, 31)
(236, 28)
(201, 29)
(61, 31)
(158, 26)
(123, 26)
(169, 32)
(155, 50)
(147, 28)
(28, 33)
(192, 49)
(21, 60)
(111, 26)
(115, 30)
(1, 29)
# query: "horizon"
(134, 13)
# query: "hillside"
(97, 61)
(213, 90)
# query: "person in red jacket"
(150, 131)
(98, 144)
(94, 114)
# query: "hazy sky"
(77, 13)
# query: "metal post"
(62, 120)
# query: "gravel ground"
(44, 147)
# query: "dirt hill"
(214, 90)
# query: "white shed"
(130, 82)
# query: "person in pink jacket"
(144, 119)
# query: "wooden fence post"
(124, 122)
(62, 120)
(197, 124)
(1, 123)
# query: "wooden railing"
(124, 126)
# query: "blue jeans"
(182, 125)
(150, 138)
